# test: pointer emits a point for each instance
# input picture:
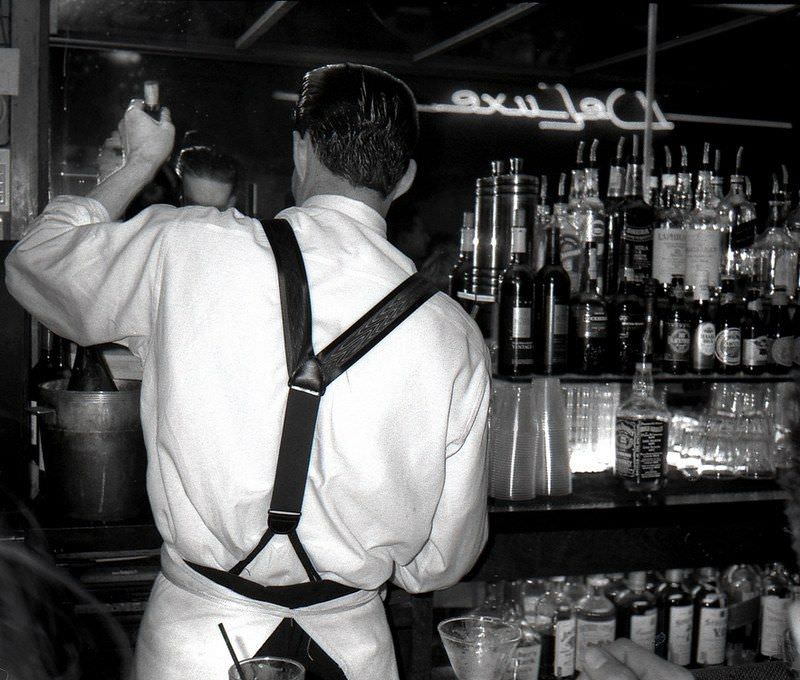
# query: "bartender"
(396, 483)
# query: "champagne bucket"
(93, 450)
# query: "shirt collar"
(354, 209)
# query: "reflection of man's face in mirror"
(207, 191)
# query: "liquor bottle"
(669, 235)
(531, 591)
(493, 604)
(651, 323)
(636, 219)
(775, 597)
(717, 182)
(575, 588)
(555, 622)
(617, 586)
(524, 664)
(684, 196)
(704, 332)
(653, 581)
(742, 584)
(785, 192)
(738, 224)
(589, 318)
(775, 251)
(515, 341)
(627, 323)
(571, 249)
(588, 215)
(710, 621)
(544, 219)
(677, 332)
(460, 276)
(642, 429)
(614, 196)
(638, 615)
(653, 190)
(703, 236)
(780, 338)
(755, 344)
(90, 372)
(675, 620)
(551, 310)
(152, 98)
(596, 619)
(728, 343)
(796, 333)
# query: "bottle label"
(678, 343)
(615, 181)
(755, 352)
(524, 664)
(591, 322)
(630, 325)
(728, 347)
(640, 448)
(592, 633)
(680, 635)
(703, 257)
(669, 254)
(774, 620)
(643, 629)
(785, 272)
(711, 636)
(519, 240)
(639, 238)
(703, 346)
(571, 258)
(468, 244)
(556, 328)
(797, 349)
(564, 656)
(780, 351)
(521, 322)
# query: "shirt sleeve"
(460, 523)
(87, 278)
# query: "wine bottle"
(90, 372)
(710, 621)
(589, 318)
(551, 311)
(637, 618)
(460, 276)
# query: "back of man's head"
(362, 122)
(208, 176)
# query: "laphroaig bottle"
(614, 196)
(755, 344)
(775, 597)
(460, 276)
(669, 234)
(515, 338)
(596, 618)
(780, 336)
(703, 331)
(555, 622)
(524, 664)
(90, 372)
(677, 342)
(703, 237)
(637, 616)
(675, 620)
(551, 311)
(627, 323)
(637, 219)
(728, 343)
(642, 431)
(589, 319)
(710, 621)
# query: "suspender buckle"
(308, 378)
(283, 521)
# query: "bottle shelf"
(687, 378)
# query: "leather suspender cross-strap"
(309, 375)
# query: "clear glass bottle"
(524, 664)
(637, 617)
(575, 588)
(588, 215)
(738, 224)
(531, 591)
(596, 618)
(776, 594)
(717, 181)
(669, 234)
(775, 251)
(642, 431)
(493, 601)
(675, 619)
(703, 236)
(555, 622)
(710, 620)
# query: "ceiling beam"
(490, 24)
(676, 42)
(271, 16)
(754, 8)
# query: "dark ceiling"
(719, 44)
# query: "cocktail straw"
(233, 654)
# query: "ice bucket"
(93, 451)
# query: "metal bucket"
(94, 451)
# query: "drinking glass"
(268, 668)
(720, 450)
(478, 647)
(757, 455)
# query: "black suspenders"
(309, 375)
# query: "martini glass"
(479, 647)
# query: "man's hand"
(625, 660)
(147, 142)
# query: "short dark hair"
(362, 121)
(207, 162)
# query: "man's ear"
(405, 182)
(301, 150)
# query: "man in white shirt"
(396, 488)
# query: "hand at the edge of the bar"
(625, 660)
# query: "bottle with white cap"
(675, 619)
(596, 618)
(555, 622)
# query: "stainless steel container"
(94, 452)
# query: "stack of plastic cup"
(553, 475)
(513, 434)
